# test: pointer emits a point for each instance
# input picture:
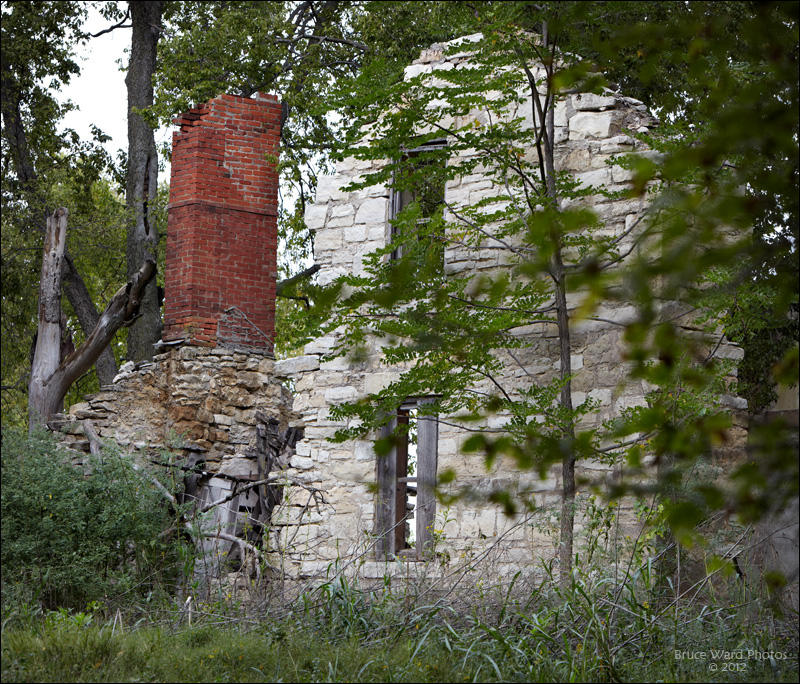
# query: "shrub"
(71, 534)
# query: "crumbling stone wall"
(211, 397)
(589, 130)
(205, 406)
(200, 399)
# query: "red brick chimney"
(221, 261)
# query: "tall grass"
(343, 632)
(89, 595)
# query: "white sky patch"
(99, 90)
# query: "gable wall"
(349, 225)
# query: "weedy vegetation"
(94, 580)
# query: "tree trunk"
(84, 308)
(142, 180)
(14, 129)
(558, 276)
(50, 376)
(565, 542)
(46, 356)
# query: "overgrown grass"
(342, 633)
(90, 585)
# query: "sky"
(99, 90)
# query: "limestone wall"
(195, 399)
(590, 130)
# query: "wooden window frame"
(391, 516)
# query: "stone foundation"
(213, 411)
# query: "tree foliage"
(46, 166)
(726, 158)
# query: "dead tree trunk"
(78, 295)
(47, 355)
(51, 377)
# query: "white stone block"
(340, 393)
(340, 363)
(620, 175)
(379, 190)
(591, 125)
(296, 364)
(339, 210)
(327, 240)
(733, 402)
(459, 196)
(413, 70)
(628, 401)
(355, 233)
(652, 155)
(315, 215)
(487, 520)
(447, 446)
(350, 470)
(601, 395)
(322, 345)
(328, 275)
(238, 467)
(347, 164)
(339, 222)
(463, 41)
(729, 351)
(375, 382)
(372, 210)
(617, 144)
(328, 187)
(363, 451)
(591, 102)
(377, 233)
(301, 462)
(562, 112)
(622, 315)
(598, 178)
(500, 421)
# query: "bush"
(73, 535)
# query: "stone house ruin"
(383, 504)
(215, 395)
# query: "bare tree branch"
(120, 24)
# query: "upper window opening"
(419, 179)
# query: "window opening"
(419, 179)
(406, 504)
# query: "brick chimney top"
(221, 261)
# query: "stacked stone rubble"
(199, 406)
